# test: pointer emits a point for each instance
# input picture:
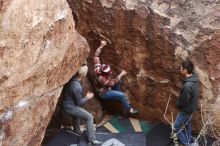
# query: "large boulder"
(149, 39)
(39, 51)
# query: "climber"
(72, 100)
(186, 103)
(106, 87)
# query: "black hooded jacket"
(188, 98)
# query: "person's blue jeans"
(78, 113)
(183, 127)
(115, 93)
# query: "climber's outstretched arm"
(99, 50)
(96, 59)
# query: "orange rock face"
(149, 39)
(39, 51)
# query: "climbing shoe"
(94, 142)
(133, 111)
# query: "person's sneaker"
(79, 132)
(94, 142)
(133, 111)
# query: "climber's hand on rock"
(103, 43)
(124, 72)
